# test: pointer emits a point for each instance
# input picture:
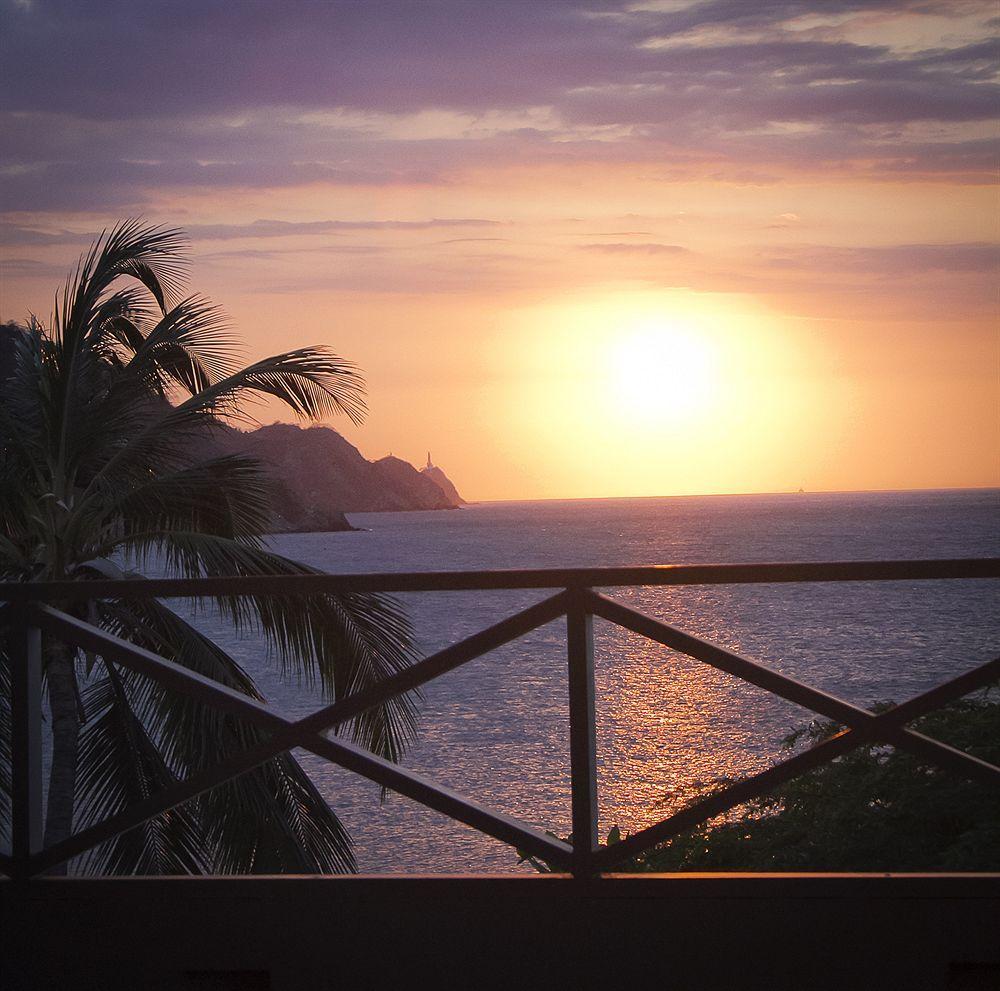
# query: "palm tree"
(102, 416)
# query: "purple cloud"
(107, 102)
(284, 228)
(624, 248)
(897, 259)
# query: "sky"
(578, 248)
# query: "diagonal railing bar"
(795, 691)
(890, 725)
(944, 756)
(759, 784)
(726, 660)
(286, 738)
(439, 663)
(837, 745)
(519, 578)
(737, 793)
(443, 799)
(723, 801)
(405, 782)
(941, 694)
(90, 638)
(383, 772)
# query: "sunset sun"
(662, 368)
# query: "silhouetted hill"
(443, 482)
(320, 475)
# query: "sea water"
(667, 726)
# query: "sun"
(658, 391)
(662, 369)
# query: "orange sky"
(565, 294)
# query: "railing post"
(582, 736)
(26, 745)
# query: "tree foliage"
(103, 414)
(873, 809)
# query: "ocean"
(497, 729)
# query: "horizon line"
(723, 495)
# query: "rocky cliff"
(319, 476)
(443, 482)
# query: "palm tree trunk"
(65, 740)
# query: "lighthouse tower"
(429, 465)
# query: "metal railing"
(29, 612)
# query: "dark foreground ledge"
(670, 931)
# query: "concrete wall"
(671, 932)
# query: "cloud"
(258, 254)
(31, 268)
(475, 240)
(132, 185)
(283, 228)
(12, 234)
(15, 235)
(624, 248)
(899, 259)
(230, 96)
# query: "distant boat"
(802, 491)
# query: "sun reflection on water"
(667, 726)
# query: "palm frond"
(95, 461)
(5, 744)
(150, 254)
(312, 382)
(281, 825)
(342, 642)
(22, 409)
(121, 337)
(229, 496)
(158, 443)
(190, 346)
(120, 764)
(117, 321)
(269, 819)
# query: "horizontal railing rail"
(34, 609)
(508, 579)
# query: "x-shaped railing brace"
(864, 726)
(307, 733)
